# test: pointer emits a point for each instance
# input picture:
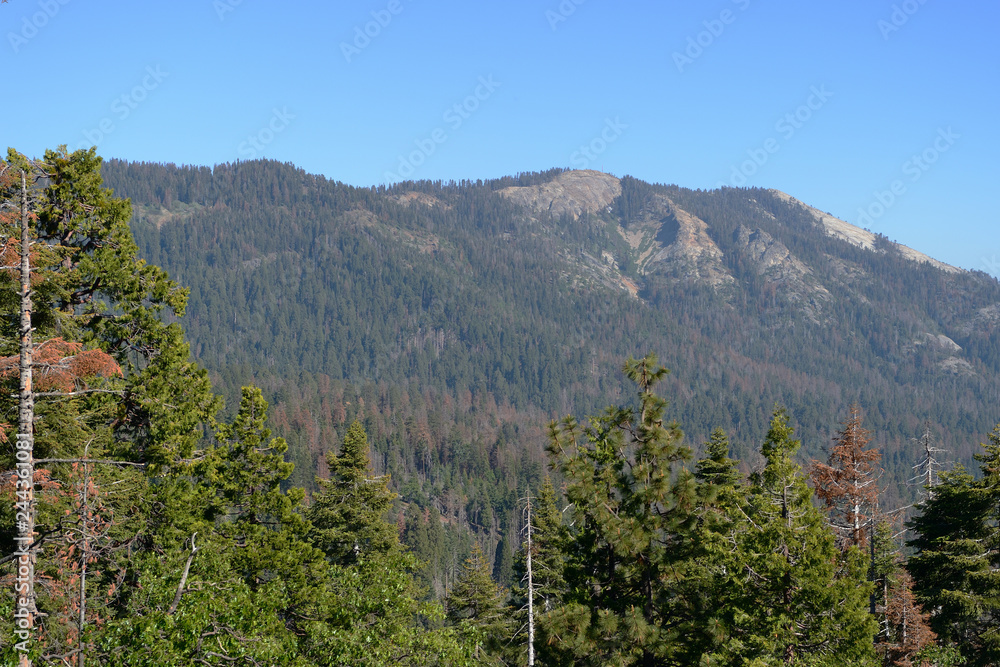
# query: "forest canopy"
(169, 531)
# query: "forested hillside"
(431, 298)
(421, 345)
(456, 319)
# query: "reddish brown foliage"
(62, 365)
(10, 255)
(848, 484)
(907, 624)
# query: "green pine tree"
(348, 514)
(247, 551)
(956, 567)
(790, 605)
(633, 548)
(477, 606)
(716, 468)
(369, 610)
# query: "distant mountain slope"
(531, 290)
(862, 237)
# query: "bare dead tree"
(531, 588)
(24, 587)
(928, 467)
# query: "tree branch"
(180, 586)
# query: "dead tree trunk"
(24, 586)
(531, 595)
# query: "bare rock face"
(775, 261)
(940, 341)
(766, 253)
(861, 237)
(688, 251)
(572, 192)
(947, 352)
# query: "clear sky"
(881, 112)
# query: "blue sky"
(881, 112)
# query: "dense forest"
(471, 321)
(421, 346)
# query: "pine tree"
(633, 546)
(848, 483)
(477, 605)
(348, 514)
(717, 468)
(369, 610)
(791, 605)
(884, 569)
(549, 540)
(956, 569)
(246, 550)
(721, 492)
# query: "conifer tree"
(477, 605)
(716, 467)
(721, 492)
(956, 569)
(791, 604)
(848, 483)
(549, 541)
(348, 514)
(369, 610)
(246, 550)
(633, 546)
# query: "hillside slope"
(524, 295)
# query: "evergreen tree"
(633, 547)
(721, 494)
(550, 538)
(369, 611)
(790, 604)
(956, 569)
(246, 551)
(477, 606)
(503, 562)
(549, 542)
(348, 514)
(717, 468)
(884, 570)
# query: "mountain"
(456, 319)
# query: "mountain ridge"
(532, 298)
